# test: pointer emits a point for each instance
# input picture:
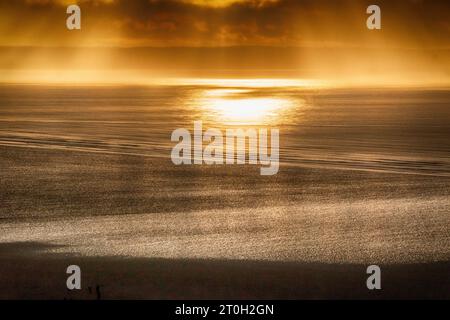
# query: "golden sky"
(310, 36)
(407, 23)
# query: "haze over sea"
(364, 174)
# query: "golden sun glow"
(239, 107)
(224, 3)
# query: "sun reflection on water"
(243, 107)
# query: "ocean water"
(364, 175)
(370, 129)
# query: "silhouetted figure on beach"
(97, 290)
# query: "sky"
(308, 36)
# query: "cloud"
(317, 23)
(311, 38)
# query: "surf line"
(234, 142)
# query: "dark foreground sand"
(27, 276)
